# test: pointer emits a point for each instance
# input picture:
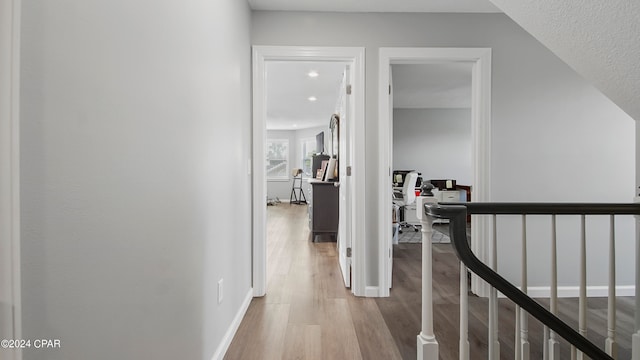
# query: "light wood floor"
(309, 314)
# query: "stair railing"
(554, 326)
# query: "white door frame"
(10, 170)
(262, 54)
(480, 132)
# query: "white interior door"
(345, 159)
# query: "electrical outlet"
(220, 291)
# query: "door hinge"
(389, 89)
(348, 170)
(348, 252)
(348, 89)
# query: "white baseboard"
(574, 291)
(372, 291)
(231, 332)
(563, 291)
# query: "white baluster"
(427, 343)
(610, 345)
(517, 351)
(464, 314)
(635, 340)
(524, 317)
(554, 345)
(545, 343)
(582, 302)
(494, 343)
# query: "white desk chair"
(408, 197)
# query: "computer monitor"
(320, 143)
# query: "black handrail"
(457, 215)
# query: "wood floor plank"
(374, 337)
(303, 342)
(262, 332)
(339, 339)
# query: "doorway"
(351, 187)
(431, 135)
(480, 58)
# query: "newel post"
(427, 343)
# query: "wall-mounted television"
(320, 143)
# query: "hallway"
(307, 312)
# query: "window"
(277, 159)
(308, 146)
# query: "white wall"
(548, 124)
(435, 142)
(9, 171)
(132, 112)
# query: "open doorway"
(431, 135)
(302, 98)
(350, 166)
(480, 62)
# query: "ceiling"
(289, 88)
(443, 86)
(474, 6)
(415, 86)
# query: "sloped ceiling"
(599, 39)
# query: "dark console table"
(323, 208)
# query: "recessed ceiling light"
(312, 98)
(295, 125)
(313, 74)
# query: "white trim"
(261, 54)
(372, 291)
(259, 219)
(574, 291)
(233, 328)
(10, 12)
(481, 138)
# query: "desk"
(410, 215)
(323, 208)
(448, 196)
